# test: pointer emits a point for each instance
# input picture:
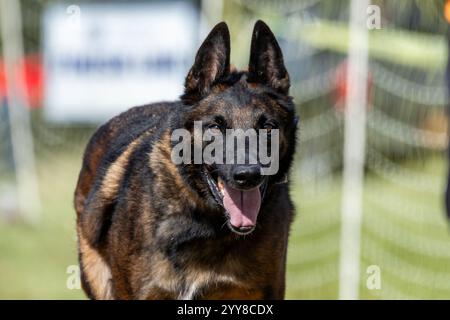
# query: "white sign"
(101, 59)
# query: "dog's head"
(242, 125)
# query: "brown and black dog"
(149, 228)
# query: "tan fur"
(161, 273)
(97, 272)
(200, 279)
(160, 161)
(113, 177)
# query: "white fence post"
(354, 152)
(19, 118)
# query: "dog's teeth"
(220, 184)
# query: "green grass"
(404, 232)
(34, 259)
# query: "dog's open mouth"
(241, 206)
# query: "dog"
(150, 228)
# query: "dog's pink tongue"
(242, 205)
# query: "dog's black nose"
(247, 176)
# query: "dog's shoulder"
(110, 149)
(129, 125)
(112, 138)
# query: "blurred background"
(371, 169)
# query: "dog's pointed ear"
(212, 62)
(266, 64)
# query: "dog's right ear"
(212, 63)
(266, 64)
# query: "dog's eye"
(217, 124)
(214, 127)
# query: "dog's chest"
(210, 285)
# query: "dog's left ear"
(212, 63)
(266, 64)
